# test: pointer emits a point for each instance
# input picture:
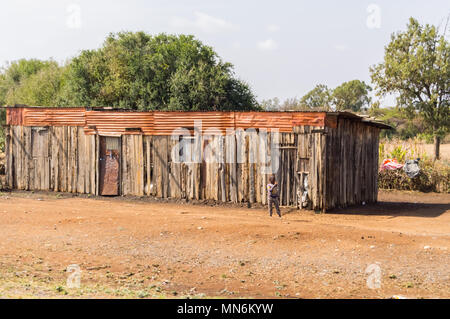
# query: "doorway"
(109, 165)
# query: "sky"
(281, 48)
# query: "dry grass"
(444, 150)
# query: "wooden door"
(109, 163)
(287, 173)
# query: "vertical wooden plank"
(27, 157)
(148, 164)
(8, 153)
(80, 158)
(252, 136)
(222, 170)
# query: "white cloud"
(203, 22)
(267, 45)
(273, 28)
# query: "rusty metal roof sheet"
(107, 121)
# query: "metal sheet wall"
(120, 122)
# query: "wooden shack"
(322, 160)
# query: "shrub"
(434, 176)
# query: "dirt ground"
(131, 248)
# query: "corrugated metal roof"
(212, 122)
(116, 123)
(107, 121)
(53, 116)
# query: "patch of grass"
(61, 290)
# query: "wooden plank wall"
(352, 164)
(230, 168)
(51, 158)
(341, 164)
(132, 163)
(310, 161)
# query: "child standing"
(273, 196)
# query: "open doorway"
(109, 165)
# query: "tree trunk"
(437, 144)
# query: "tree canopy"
(416, 68)
(352, 95)
(318, 98)
(140, 71)
(133, 71)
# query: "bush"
(430, 179)
(434, 176)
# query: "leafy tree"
(44, 88)
(140, 71)
(318, 98)
(291, 104)
(271, 104)
(406, 125)
(416, 67)
(16, 72)
(351, 95)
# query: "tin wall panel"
(120, 122)
(265, 120)
(14, 116)
(116, 123)
(211, 122)
(308, 118)
(36, 116)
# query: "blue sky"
(282, 48)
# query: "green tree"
(44, 88)
(271, 104)
(13, 74)
(318, 98)
(351, 95)
(416, 67)
(140, 71)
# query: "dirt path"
(128, 248)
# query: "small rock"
(372, 247)
(199, 228)
(426, 247)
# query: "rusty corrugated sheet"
(14, 116)
(113, 123)
(120, 122)
(267, 120)
(37, 116)
(212, 122)
(308, 118)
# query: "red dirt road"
(133, 248)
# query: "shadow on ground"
(394, 209)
